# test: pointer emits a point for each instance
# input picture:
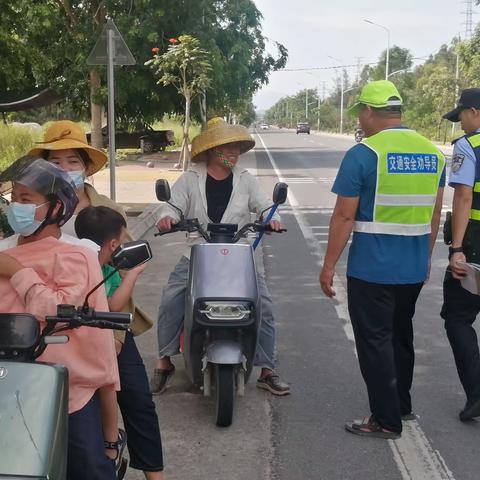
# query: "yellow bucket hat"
(219, 132)
(65, 135)
(377, 95)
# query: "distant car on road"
(146, 139)
(303, 127)
(264, 126)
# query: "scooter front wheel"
(224, 395)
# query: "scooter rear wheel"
(225, 394)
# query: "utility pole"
(359, 64)
(457, 76)
(318, 108)
(468, 19)
(319, 101)
(306, 104)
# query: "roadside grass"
(15, 142)
(175, 123)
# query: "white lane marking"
(300, 180)
(413, 454)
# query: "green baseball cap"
(377, 95)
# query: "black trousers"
(138, 410)
(381, 317)
(460, 309)
(86, 453)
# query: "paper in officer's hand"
(471, 281)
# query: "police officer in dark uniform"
(460, 307)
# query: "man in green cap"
(390, 189)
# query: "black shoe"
(159, 381)
(273, 384)
(122, 443)
(472, 408)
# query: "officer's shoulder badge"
(457, 162)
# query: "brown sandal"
(368, 427)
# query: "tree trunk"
(96, 111)
(186, 128)
(202, 100)
(98, 11)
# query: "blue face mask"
(77, 177)
(21, 217)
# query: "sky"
(314, 30)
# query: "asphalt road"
(302, 436)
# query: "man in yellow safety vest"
(389, 192)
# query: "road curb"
(145, 221)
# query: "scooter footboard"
(33, 420)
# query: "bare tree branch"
(65, 4)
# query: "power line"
(335, 67)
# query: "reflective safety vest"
(409, 168)
(474, 140)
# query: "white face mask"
(77, 177)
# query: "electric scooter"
(34, 395)
(222, 308)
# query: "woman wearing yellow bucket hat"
(215, 189)
(65, 144)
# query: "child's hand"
(9, 266)
(137, 270)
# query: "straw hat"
(219, 132)
(65, 135)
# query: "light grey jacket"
(188, 193)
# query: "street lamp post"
(388, 44)
(318, 99)
(398, 71)
(342, 86)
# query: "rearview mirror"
(280, 193)
(125, 257)
(162, 190)
(131, 254)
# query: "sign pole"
(111, 50)
(111, 110)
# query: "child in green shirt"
(108, 229)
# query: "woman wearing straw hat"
(215, 189)
(65, 144)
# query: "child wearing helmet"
(39, 271)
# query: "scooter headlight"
(225, 311)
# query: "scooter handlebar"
(268, 228)
(113, 317)
(188, 225)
